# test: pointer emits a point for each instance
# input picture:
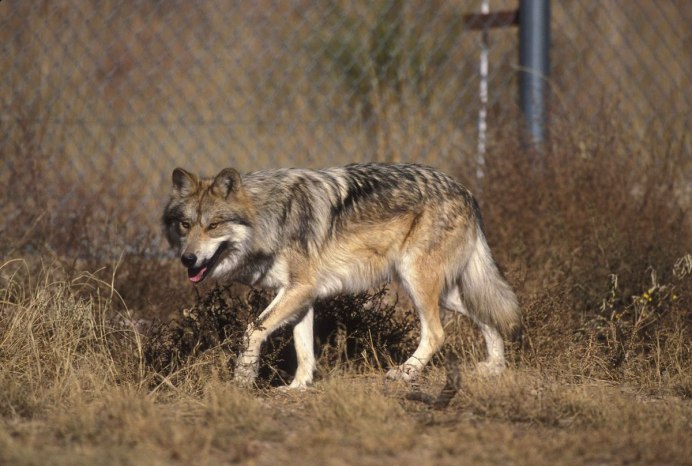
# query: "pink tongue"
(199, 276)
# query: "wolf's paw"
(405, 372)
(299, 383)
(490, 368)
(244, 375)
(299, 386)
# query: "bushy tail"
(487, 295)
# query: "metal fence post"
(534, 64)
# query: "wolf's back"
(311, 207)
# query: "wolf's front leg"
(247, 364)
(303, 338)
(287, 303)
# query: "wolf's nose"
(188, 260)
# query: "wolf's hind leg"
(424, 291)
(495, 347)
(495, 363)
(303, 339)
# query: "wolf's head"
(209, 222)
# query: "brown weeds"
(592, 230)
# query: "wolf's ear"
(184, 182)
(226, 182)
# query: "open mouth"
(197, 274)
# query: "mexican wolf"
(311, 234)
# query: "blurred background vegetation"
(100, 100)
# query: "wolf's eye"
(184, 225)
(212, 226)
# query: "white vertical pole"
(483, 94)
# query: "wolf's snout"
(189, 259)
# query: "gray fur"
(315, 233)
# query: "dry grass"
(105, 357)
(597, 246)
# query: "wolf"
(312, 234)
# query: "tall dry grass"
(61, 340)
(593, 232)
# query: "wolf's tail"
(487, 295)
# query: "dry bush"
(365, 331)
(591, 203)
(216, 321)
(594, 231)
(352, 332)
(151, 285)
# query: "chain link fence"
(100, 100)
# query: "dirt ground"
(522, 418)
